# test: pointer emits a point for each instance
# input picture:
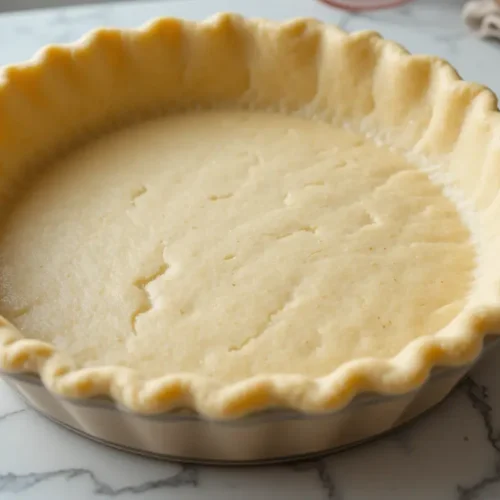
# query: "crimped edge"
(458, 344)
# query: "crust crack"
(147, 303)
(269, 321)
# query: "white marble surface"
(452, 453)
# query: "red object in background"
(357, 5)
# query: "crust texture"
(416, 104)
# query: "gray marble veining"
(453, 453)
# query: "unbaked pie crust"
(236, 215)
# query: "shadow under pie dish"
(218, 235)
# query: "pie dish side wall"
(271, 436)
(416, 104)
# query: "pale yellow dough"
(232, 243)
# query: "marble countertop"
(453, 453)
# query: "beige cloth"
(483, 17)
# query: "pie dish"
(190, 233)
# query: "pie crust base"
(417, 105)
(226, 243)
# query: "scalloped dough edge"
(417, 104)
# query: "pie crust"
(417, 106)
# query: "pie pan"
(415, 104)
(271, 436)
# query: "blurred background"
(6, 5)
